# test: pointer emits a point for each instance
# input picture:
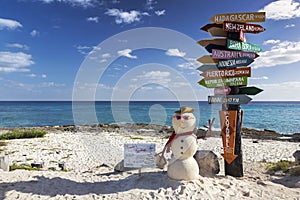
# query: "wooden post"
(235, 168)
(4, 163)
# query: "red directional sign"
(224, 73)
(246, 28)
(222, 90)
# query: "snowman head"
(183, 120)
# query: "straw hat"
(184, 109)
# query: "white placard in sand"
(139, 155)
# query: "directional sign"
(210, 47)
(216, 41)
(235, 62)
(239, 17)
(247, 28)
(209, 26)
(234, 81)
(244, 46)
(222, 90)
(228, 120)
(249, 90)
(229, 99)
(205, 67)
(224, 73)
(224, 54)
(218, 32)
(207, 59)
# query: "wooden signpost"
(228, 130)
(224, 73)
(226, 70)
(246, 28)
(225, 54)
(235, 62)
(207, 59)
(244, 46)
(229, 99)
(234, 81)
(239, 17)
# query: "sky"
(135, 49)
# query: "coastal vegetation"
(283, 166)
(20, 134)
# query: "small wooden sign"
(249, 90)
(228, 130)
(243, 46)
(235, 62)
(216, 41)
(224, 73)
(229, 99)
(209, 26)
(246, 28)
(239, 17)
(213, 83)
(207, 59)
(225, 54)
(222, 90)
(206, 67)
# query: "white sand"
(86, 178)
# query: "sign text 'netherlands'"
(246, 28)
(228, 126)
(244, 46)
(234, 81)
(239, 17)
(229, 99)
(225, 54)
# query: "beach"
(91, 153)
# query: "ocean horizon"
(280, 116)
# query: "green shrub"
(282, 165)
(19, 134)
(22, 166)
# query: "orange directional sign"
(239, 17)
(224, 73)
(228, 126)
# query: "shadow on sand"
(62, 186)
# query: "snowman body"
(182, 165)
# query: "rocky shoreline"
(165, 131)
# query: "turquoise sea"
(283, 117)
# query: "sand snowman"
(183, 144)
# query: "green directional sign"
(242, 46)
(249, 90)
(229, 99)
(233, 81)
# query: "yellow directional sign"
(239, 17)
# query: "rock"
(297, 157)
(120, 167)
(208, 162)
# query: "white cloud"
(160, 12)
(52, 84)
(15, 62)
(32, 75)
(93, 19)
(282, 9)
(150, 3)
(271, 42)
(82, 3)
(84, 50)
(259, 78)
(125, 17)
(290, 25)
(9, 24)
(16, 45)
(126, 53)
(34, 33)
(175, 52)
(44, 76)
(281, 53)
(158, 77)
(106, 55)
